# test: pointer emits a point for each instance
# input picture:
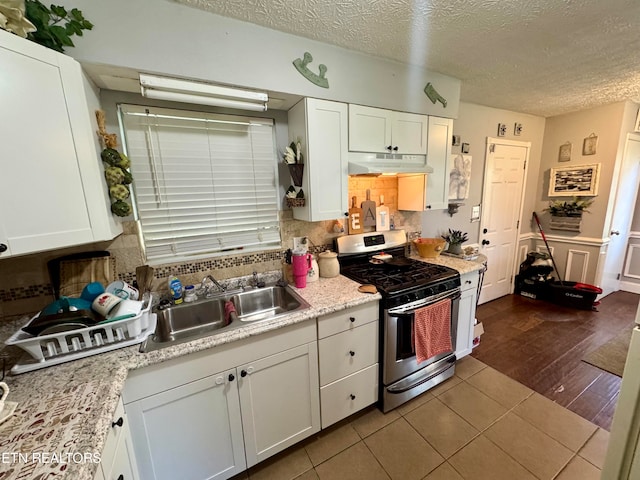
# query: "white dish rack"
(56, 348)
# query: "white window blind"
(204, 183)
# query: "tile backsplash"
(25, 285)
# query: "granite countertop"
(64, 411)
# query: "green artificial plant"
(572, 208)
(55, 25)
(455, 237)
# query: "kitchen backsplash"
(25, 286)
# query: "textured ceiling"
(543, 57)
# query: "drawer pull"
(352, 319)
(231, 377)
(117, 423)
(352, 396)
(121, 477)
(243, 373)
(352, 353)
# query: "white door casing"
(618, 230)
(505, 170)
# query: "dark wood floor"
(541, 345)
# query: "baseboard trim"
(630, 287)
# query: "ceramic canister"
(328, 263)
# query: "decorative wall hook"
(434, 96)
(316, 79)
(453, 208)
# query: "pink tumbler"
(301, 266)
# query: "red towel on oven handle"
(432, 330)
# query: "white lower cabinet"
(466, 313)
(190, 423)
(118, 461)
(191, 432)
(348, 357)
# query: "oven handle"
(450, 362)
(410, 308)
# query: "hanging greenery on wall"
(116, 171)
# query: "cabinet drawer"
(347, 319)
(469, 281)
(340, 399)
(347, 352)
(113, 434)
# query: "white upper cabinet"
(377, 130)
(52, 192)
(321, 127)
(417, 192)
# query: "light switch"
(475, 213)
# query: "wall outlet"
(300, 244)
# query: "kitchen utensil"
(367, 289)
(125, 309)
(329, 265)
(123, 290)
(104, 303)
(65, 304)
(369, 211)
(75, 274)
(55, 264)
(144, 277)
(42, 322)
(535, 217)
(429, 247)
(382, 216)
(301, 266)
(91, 291)
(355, 218)
(62, 327)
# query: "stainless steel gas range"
(406, 285)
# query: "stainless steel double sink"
(190, 321)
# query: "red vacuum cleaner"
(568, 294)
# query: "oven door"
(399, 352)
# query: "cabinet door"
(192, 432)
(279, 397)
(369, 129)
(42, 203)
(409, 133)
(412, 192)
(124, 465)
(326, 176)
(466, 314)
(439, 158)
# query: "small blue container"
(91, 291)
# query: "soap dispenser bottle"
(175, 289)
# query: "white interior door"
(505, 165)
(625, 202)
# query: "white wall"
(474, 124)
(162, 36)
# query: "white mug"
(123, 290)
(5, 393)
(125, 309)
(105, 302)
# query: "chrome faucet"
(257, 283)
(208, 289)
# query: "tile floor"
(478, 425)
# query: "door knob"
(615, 232)
(485, 242)
(117, 423)
(484, 230)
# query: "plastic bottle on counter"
(175, 289)
(190, 294)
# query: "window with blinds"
(203, 183)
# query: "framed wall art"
(576, 180)
(589, 145)
(565, 152)
(637, 127)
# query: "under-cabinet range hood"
(383, 163)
